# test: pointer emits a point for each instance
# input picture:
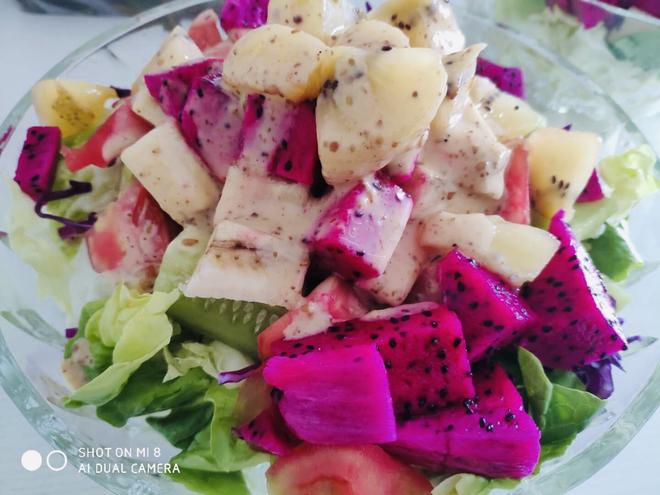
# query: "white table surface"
(30, 45)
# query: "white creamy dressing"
(463, 163)
(73, 368)
(311, 318)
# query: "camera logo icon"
(32, 460)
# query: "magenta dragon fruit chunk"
(590, 15)
(577, 322)
(211, 125)
(401, 169)
(509, 79)
(243, 14)
(421, 345)
(38, 161)
(171, 87)
(356, 237)
(491, 312)
(323, 402)
(494, 389)
(649, 6)
(485, 439)
(266, 125)
(268, 433)
(297, 157)
(593, 191)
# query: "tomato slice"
(205, 30)
(515, 202)
(118, 132)
(130, 237)
(333, 301)
(343, 470)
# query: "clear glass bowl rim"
(566, 475)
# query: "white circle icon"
(55, 464)
(31, 460)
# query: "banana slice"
(372, 35)
(279, 60)
(320, 18)
(427, 23)
(376, 107)
(245, 264)
(172, 173)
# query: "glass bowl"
(617, 48)
(32, 328)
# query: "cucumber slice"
(236, 323)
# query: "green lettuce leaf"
(145, 393)
(210, 483)
(216, 448)
(236, 323)
(37, 243)
(470, 484)
(181, 425)
(631, 178)
(613, 252)
(105, 187)
(181, 257)
(213, 358)
(86, 313)
(559, 411)
(136, 328)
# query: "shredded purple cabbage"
(71, 228)
(70, 333)
(597, 377)
(236, 376)
(568, 127)
(367, 6)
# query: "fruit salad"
(335, 242)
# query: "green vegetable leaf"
(181, 257)
(552, 450)
(216, 448)
(181, 425)
(613, 252)
(211, 483)
(37, 243)
(236, 323)
(86, 313)
(213, 358)
(145, 393)
(508, 9)
(559, 411)
(631, 178)
(470, 484)
(105, 187)
(136, 328)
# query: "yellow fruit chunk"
(516, 252)
(278, 60)
(372, 35)
(376, 107)
(427, 23)
(320, 18)
(73, 106)
(560, 164)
